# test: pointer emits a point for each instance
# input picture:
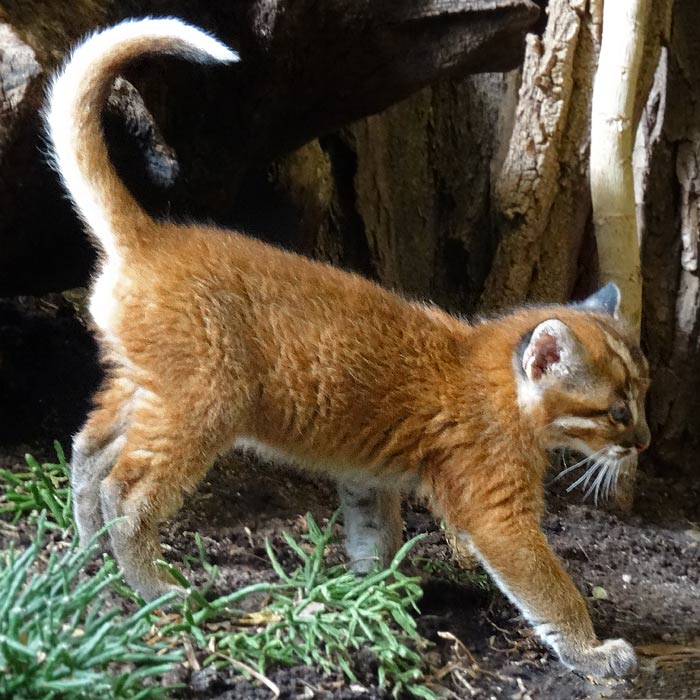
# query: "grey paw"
(153, 589)
(88, 525)
(619, 658)
(613, 657)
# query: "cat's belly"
(267, 452)
(345, 471)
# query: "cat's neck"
(478, 389)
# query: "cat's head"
(582, 379)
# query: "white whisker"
(621, 466)
(601, 469)
(578, 464)
(595, 486)
(605, 488)
(599, 478)
(611, 480)
(586, 476)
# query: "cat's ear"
(552, 349)
(605, 300)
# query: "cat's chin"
(620, 452)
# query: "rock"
(599, 593)
(202, 681)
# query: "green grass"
(318, 615)
(61, 638)
(453, 573)
(41, 487)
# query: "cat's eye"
(620, 414)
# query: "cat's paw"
(613, 657)
(154, 583)
(620, 657)
(177, 596)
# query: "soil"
(639, 572)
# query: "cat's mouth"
(602, 470)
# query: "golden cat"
(212, 339)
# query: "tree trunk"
(612, 139)
(404, 196)
(670, 220)
(542, 198)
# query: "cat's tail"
(73, 124)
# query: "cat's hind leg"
(373, 524)
(95, 451)
(169, 448)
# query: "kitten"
(211, 339)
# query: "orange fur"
(212, 337)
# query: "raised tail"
(72, 116)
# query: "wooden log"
(307, 69)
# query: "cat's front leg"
(516, 554)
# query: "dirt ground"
(647, 564)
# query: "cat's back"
(255, 282)
(227, 300)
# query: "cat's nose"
(642, 438)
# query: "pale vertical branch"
(613, 127)
(612, 140)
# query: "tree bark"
(670, 219)
(542, 201)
